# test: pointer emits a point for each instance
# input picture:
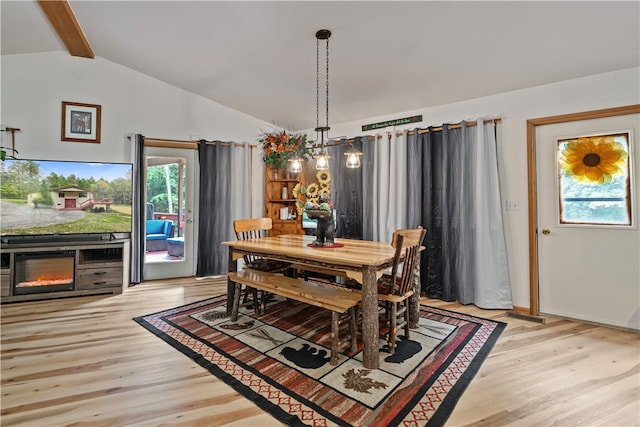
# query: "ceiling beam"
(66, 25)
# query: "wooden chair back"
(252, 228)
(407, 242)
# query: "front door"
(588, 259)
(170, 181)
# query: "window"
(594, 180)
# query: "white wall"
(589, 93)
(34, 86)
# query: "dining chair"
(396, 288)
(256, 228)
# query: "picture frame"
(81, 122)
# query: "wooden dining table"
(361, 260)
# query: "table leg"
(231, 286)
(370, 328)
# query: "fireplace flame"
(47, 280)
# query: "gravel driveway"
(24, 216)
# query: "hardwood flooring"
(84, 362)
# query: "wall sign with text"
(394, 122)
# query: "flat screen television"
(62, 198)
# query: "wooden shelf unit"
(273, 202)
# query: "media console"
(59, 269)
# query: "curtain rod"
(177, 143)
(411, 132)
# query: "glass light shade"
(353, 158)
(295, 165)
(322, 161)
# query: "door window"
(594, 180)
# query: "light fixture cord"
(317, 83)
(327, 86)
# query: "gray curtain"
(454, 193)
(346, 191)
(215, 222)
(367, 168)
(352, 189)
(139, 211)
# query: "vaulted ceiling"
(385, 57)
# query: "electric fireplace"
(37, 272)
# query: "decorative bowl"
(318, 214)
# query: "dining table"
(361, 260)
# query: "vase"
(276, 173)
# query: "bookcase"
(275, 181)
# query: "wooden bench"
(337, 300)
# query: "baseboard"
(522, 313)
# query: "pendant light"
(322, 159)
(353, 157)
(295, 165)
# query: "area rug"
(280, 360)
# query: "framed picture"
(80, 122)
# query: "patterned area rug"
(280, 360)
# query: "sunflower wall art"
(312, 191)
(595, 180)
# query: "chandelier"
(322, 159)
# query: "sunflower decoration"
(312, 191)
(305, 195)
(593, 159)
(324, 182)
(297, 190)
(323, 177)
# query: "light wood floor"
(83, 361)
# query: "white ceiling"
(385, 57)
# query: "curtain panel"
(454, 194)
(214, 200)
(225, 195)
(445, 181)
(139, 210)
(346, 192)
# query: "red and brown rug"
(280, 360)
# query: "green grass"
(91, 223)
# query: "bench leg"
(353, 329)
(236, 302)
(335, 336)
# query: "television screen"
(49, 197)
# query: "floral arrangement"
(309, 197)
(279, 146)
